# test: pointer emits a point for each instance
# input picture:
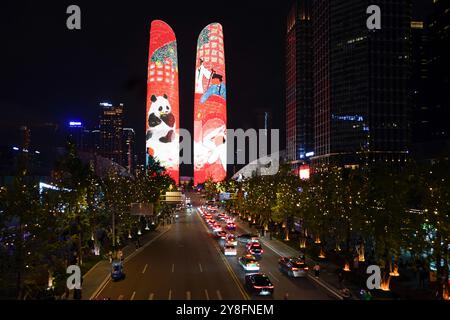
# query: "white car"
(217, 228)
(231, 240)
(229, 250)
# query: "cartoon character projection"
(162, 138)
(210, 114)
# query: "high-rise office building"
(129, 157)
(421, 122)
(299, 84)
(439, 29)
(111, 132)
(361, 82)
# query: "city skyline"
(83, 106)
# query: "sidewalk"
(96, 278)
(328, 277)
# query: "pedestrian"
(317, 270)
(302, 256)
(422, 276)
(110, 256)
(340, 277)
(356, 262)
(286, 296)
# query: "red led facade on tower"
(163, 116)
(210, 107)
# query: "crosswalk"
(206, 295)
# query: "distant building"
(128, 149)
(111, 132)
(186, 181)
(76, 134)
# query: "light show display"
(210, 107)
(162, 133)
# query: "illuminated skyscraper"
(299, 93)
(162, 131)
(111, 127)
(210, 107)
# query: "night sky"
(51, 74)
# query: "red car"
(231, 226)
(255, 249)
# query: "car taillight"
(262, 251)
(294, 269)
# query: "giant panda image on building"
(162, 128)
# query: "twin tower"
(210, 105)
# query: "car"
(255, 249)
(217, 228)
(221, 235)
(231, 226)
(117, 272)
(293, 267)
(249, 263)
(246, 238)
(229, 250)
(260, 284)
(231, 239)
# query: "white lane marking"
(145, 269)
(120, 297)
(170, 294)
(188, 295)
(173, 268)
(108, 277)
(200, 266)
(206, 294)
(133, 296)
(151, 296)
(219, 295)
(272, 276)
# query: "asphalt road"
(186, 264)
(297, 289)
